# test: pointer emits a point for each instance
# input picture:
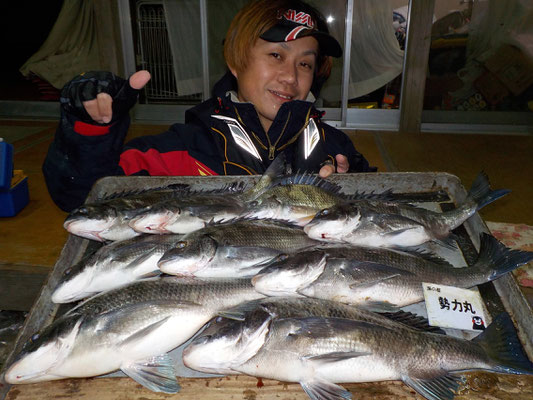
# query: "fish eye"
(182, 244)
(324, 212)
(34, 337)
(67, 271)
(282, 257)
(81, 210)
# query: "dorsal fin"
(137, 192)
(306, 178)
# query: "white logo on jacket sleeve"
(239, 135)
(311, 137)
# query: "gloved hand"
(102, 97)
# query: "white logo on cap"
(298, 17)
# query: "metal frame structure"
(410, 117)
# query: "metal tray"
(437, 191)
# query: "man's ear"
(233, 71)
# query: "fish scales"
(380, 278)
(130, 328)
(203, 292)
(385, 224)
(405, 352)
(113, 265)
(265, 233)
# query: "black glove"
(86, 86)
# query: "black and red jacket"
(219, 137)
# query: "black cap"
(295, 24)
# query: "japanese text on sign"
(451, 307)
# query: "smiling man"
(278, 53)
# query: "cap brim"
(329, 46)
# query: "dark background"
(25, 26)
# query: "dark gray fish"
(233, 249)
(108, 218)
(131, 328)
(319, 352)
(113, 265)
(387, 224)
(377, 278)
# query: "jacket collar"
(291, 119)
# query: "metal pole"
(346, 63)
(205, 50)
(126, 34)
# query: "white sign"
(451, 307)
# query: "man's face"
(277, 73)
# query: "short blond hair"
(256, 18)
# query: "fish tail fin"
(498, 259)
(481, 193)
(501, 344)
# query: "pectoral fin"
(155, 373)
(366, 274)
(337, 356)
(140, 335)
(324, 390)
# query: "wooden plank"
(479, 386)
(416, 64)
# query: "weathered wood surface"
(479, 386)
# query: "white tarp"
(376, 57)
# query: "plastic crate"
(6, 165)
(14, 199)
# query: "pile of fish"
(290, 279)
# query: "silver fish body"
(319, 352)
(187, 214)
(113, 265)
(108, 219)
(295, 198)
(300, 307)
(387, 224)
(130, 328)
(199, 355)
(377, 278)
(233, 249)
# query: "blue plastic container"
(6, 165)
(15, 199)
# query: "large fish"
(131, 329)
(291, 307)
(233, 249)
(387, 224)
(186, 214)
(189, 213)
(320, 352)
(108, 218)
(113, 265)
(377, 278)
(296, 198)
